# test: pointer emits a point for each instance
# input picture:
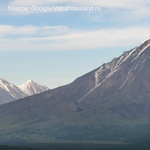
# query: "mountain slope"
(10, 92)
(111, 103)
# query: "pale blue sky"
(54, 48)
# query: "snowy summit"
(10, 92)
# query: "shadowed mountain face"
(111, 103)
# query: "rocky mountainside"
(10, 92)
(111, 103)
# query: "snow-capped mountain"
(129, 65)
(10, 92)
(136, 59)
(31, 88)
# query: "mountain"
(10, 92)
(110, 103)
(31, 88)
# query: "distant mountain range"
(110, 103)
(10, 92)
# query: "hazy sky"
(55, 41)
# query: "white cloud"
(142, 12)
(102, 3)
(73, 39)
(28, 30)
(11, 30)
